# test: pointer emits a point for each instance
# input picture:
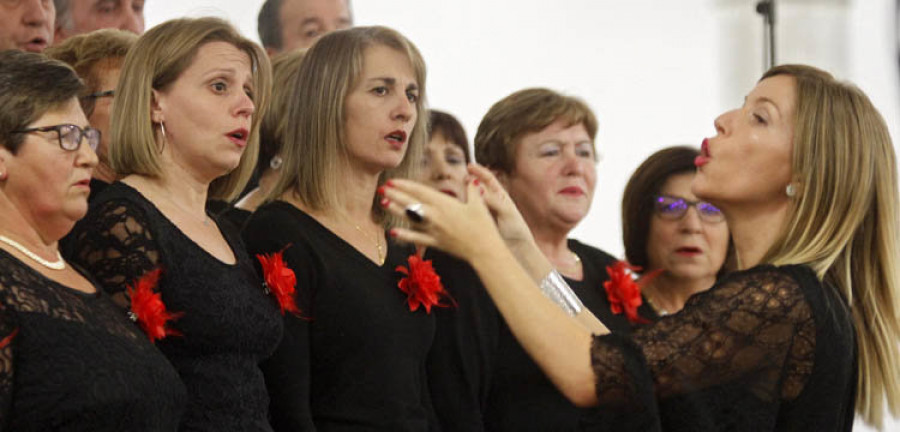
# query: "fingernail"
(476, 182)
(389, 183)
(392, 233)
(380, 190)
(385, 202)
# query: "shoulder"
(765, 289)
(275, 226)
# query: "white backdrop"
(656, 72)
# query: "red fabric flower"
(422, 284)
(623, 292)
(280, 280)
(148, 309)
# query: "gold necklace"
(661, 311)
(378, 247)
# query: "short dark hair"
(268, 24)
(30, 86)
(637, 200)
(448, 126)
(63, 17)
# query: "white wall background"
(656, 72)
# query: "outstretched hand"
(512, 226)
(462, 229)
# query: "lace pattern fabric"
(72, 360)
(735, 356)
(229, 324)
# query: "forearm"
(559, 344)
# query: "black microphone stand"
(766, 8)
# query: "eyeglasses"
(69, 135)
(674, 208)
(100, 94)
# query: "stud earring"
(2, 176)
(276, 162)
(790, 190)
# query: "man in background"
(285, 25)
(26, 25)
(82, 16)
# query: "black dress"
(462, 357)
(229, 324)
(72, 361)
(521, 397)
(356, 360)
(770, 348)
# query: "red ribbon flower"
(280, 280)
(422, 284)
(623, 292)
(148, 309)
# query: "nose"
(133, 21)
(36, 14)
(405, 109)
(86, 157)
(244, 106)
(573, 165)
(691, 222)
(440, 169)
(723, 121)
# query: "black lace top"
(72, 361)
(522, 398)
(770, 348)
(357, 360)
(229, 324)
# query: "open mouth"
(239, 136)
(688, 250)
(36, 45)
(397, 138)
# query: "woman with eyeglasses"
(69, 357)
(97, 58)
(679, 241)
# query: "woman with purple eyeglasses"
(668, 233)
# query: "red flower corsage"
(623, 292)
(148, 309)
(280, 280)
(421, 284)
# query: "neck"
(356, 194)
(31, 232)
(755, 229)
(555, 246)
(178, 187)
(670, 293)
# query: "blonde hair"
(285, 67)
(314, 144)
(526, 111)
(844, 221)
(157, 59)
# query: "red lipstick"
(396, 138)
(703, 158)
(239, 137)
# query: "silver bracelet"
(557, 290)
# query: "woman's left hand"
(464, 229)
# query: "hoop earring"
(162, 130)
(790, 190)
(276, 162)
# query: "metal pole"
(766, 8)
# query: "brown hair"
(156, 61)
(30, 86)
(86, 51)
(445, 124)
(314, 144)
(526, 111)
(285, 67)
(843, 221)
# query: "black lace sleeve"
(8, 331)
(754, 331)
(114, 243)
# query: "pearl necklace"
(59, 264)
